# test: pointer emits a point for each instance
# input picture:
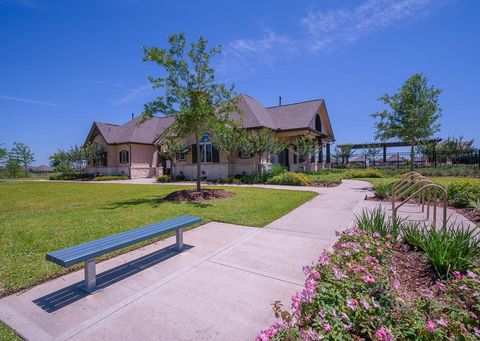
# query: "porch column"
(384, 153)
(328, 153)
(320, 150)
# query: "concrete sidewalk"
(220, 288)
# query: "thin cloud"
(323, 30)
(31, 101)
(134, 93)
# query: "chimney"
(280, 101)
(133, 115)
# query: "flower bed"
(357, 292)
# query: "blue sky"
(64, 64)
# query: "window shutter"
(194, 153)
(215, 155)
(295, 154)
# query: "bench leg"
(90, 284)
(179, 239)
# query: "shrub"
(254, 178)
(381, 190)
(164, 178)
(83, 177)
(110, 177)
(377, 222)
(461, 193)
(290, 178)
(326, 178)
(277, 170)
(362, 173)
(450, 248)
(351, 294)
(475, 205)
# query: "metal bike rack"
(424, 189)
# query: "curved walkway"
(220, 288)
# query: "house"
(133, 148)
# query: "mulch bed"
(415, 273)
(469, 214)
(193, 195)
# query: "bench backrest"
(78, 253)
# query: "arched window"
(205, 149)
(124, 157)
(318, 123)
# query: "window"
(205, 149)
(244, 154)
(181, 157)
(318, 123)
(124, 157)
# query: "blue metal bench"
(87, 252)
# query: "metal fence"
(401, 160)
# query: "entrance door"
(283, 158)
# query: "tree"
(413, 116)
(305, 148)
(229, 139)
(452, 147)
(13, 166)
(173, 151)
(3, 154)
(343, 152)
(371, 154)
(60, 162)
(192, 95)
(23, 154)
(261, 142)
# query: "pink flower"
(352, 303)
(457, 275)
(315, 274)
(327, 327)
(473, 315)
(463, 328)
(338, 274)
(266, 335)
(396, 283)
(471, 274)
(383, 334)
(376, 235)
(368, 279)
(345, 316)
(324, 259)
(431, 326)
(365, 304)
(440, 286)
(389, 236)
(371, 260)
(476, 331)
(442, 322)
(297, 301)
(322, 314)
(379, 250)
(356, 267)
(366, 245)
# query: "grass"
(7, 334)
(39, 217)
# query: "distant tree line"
(73, 162)
(15, 162)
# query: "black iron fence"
(401, 160)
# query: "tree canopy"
(23, 154)
(413, 115)
(191, 93)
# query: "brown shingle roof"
(284, 117)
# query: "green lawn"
(7, 334)
(38, 217)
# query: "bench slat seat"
(89, 250)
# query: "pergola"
(385, 145)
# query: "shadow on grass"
(154, 202)
(66, 296)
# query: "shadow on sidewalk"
(63, 297)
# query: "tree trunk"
(25, 166)
(199, 163)
(412, 156)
